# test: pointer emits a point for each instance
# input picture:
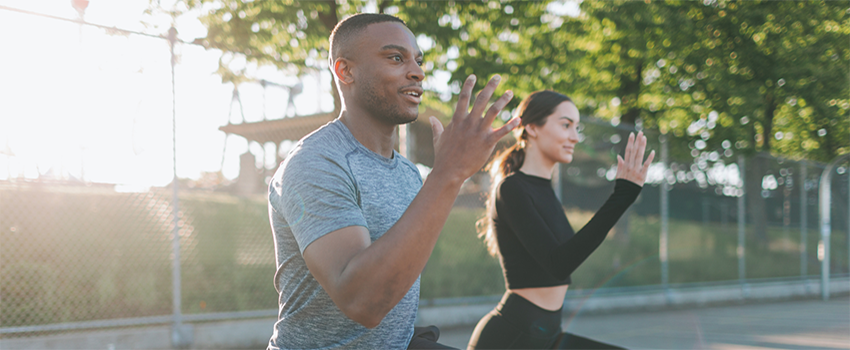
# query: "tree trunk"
(337, 98)
(755, 169)
(330, 20)
(755, 173)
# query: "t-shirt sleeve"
(316, 196)
(562, 259)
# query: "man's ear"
(342, 70)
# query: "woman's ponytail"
(505, 163)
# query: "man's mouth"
(414, 94)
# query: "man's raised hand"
(465, 144)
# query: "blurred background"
(137, 139)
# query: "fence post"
(665, 216)
(804, 219)
(180, 335)
(742, 212)
(824, 201)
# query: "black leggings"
(426, 338)
(517, 323)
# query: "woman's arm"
(561, 260)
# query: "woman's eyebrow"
(568, 118)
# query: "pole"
(742, 273)
(804, 219)
(665, 214)
(824, 202)
(825, 229)
(177, 338)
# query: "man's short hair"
(348, 29)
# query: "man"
(352, 228)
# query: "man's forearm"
(378, 277)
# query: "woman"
(526, 227)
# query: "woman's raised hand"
(632, 167)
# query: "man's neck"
(373, 134)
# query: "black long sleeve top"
(537, 245)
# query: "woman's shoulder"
(511, 185)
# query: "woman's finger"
(621, 166)
(646, 165)
(641, 149)
(627, 157)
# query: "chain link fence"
(87, 230)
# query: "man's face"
(387, 72)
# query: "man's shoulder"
(328, 142)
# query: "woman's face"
(557, 138)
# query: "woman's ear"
(342, 70)
(531, 130)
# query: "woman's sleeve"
(561, 260)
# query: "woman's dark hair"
(532, 110)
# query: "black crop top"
(537, 245)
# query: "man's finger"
(497, 107)
(484, 97)
(462, 107)
(436, 128)
(505, 129)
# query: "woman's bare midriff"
(548, 298)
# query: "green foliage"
(763, 67)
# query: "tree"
(768, 71)
(753, 77)
(293, 35)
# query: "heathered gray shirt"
(330, 181)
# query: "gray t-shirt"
(327, 182)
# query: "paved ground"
(807, 324)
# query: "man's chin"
(411, 120)
(407, 118)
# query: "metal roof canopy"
(278, 130)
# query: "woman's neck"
(536, 164)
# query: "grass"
(93, 254)
(460, 265)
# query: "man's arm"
(367, 279)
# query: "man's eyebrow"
(399, 48)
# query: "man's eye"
(419, 63)
(397, 58)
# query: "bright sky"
(82, 103)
